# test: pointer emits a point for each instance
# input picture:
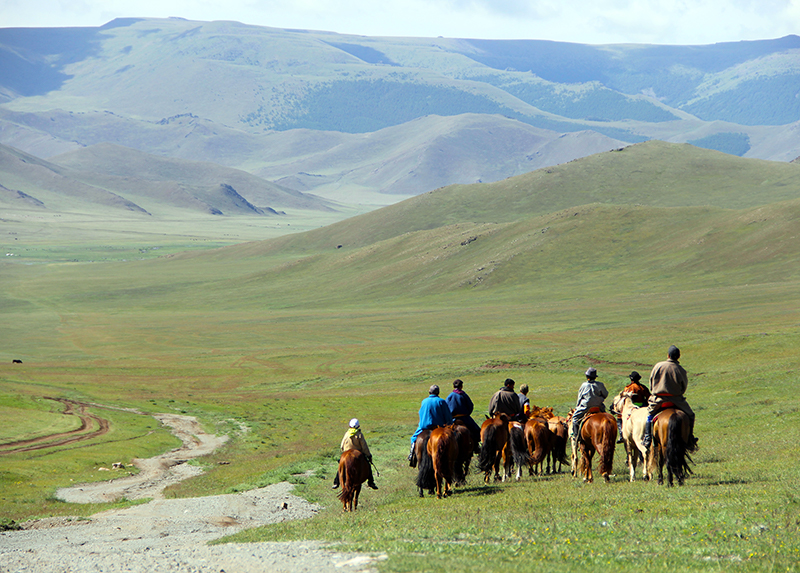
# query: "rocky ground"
(171, 534)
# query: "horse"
(465, 449)
(670, 446)
(634, 419)
(443, 450)
(539, 439)
(558, 453)
(598, 433)
(494, 439)
(516, 452)
(424, 463)
(353, 471)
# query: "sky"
(583, 21)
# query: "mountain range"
(372, 120)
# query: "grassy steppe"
(291, 338)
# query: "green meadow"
(279, 343)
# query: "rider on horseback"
(668, 383)
(590, 396)
(354, 440)
(433, 412)
(505, 401)
(461, 408)
(637, 392)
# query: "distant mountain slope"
(111, 176)
(243, 95)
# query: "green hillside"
(279, 343)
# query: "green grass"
(280, 343)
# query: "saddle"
(592, 411)
(664, 406)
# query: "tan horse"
(634, 419)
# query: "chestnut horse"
(540, 442)
(494, 439)
(443, 451)
(634, 419)
(353, 471)
(465, 449)
(670, 446)
(558, 453)
(598, 433)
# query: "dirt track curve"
(95, 425)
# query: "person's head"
(673, 352)
(458, 384)
(635, 376)
(509, 383)
(354, 423)
(591, 374)
(434, 390)
(524, 388)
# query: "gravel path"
(172, 534)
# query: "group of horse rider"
(668, 384)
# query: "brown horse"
(670, 446)
(443, 450)
(353, 471)
(599, 433)
(540, 441)
(494, 438)
(516, 452)
(425, 479)
(558, 453)
(465, 449)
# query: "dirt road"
(172, 534)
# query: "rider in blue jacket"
(461, 407)
(433, 412)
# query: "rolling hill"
(350, 117)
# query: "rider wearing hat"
(668, 383)
(354, 440)
(590, 395)
(505, 401)
(433, 412)
(461, 408)
(637, 392)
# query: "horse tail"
(519, 452)
(488, 448)
(425, 477)
(675, 450)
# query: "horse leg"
(355, 497)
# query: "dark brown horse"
(670, 446)
(353, 471)
(465, 449)
(598, 434)
(425, 479)
(494, 438)
(443, 450)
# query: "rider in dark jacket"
(461, 407)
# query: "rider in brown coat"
(668, 383)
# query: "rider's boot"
(619, 431)
(647, 439)
(412, 460)
(692, 438)
(336, 481)
(371, 484)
